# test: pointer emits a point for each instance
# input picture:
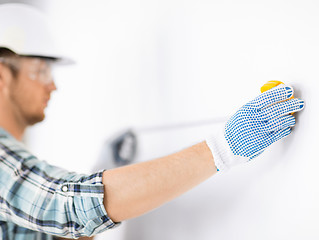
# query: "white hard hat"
(24, 30)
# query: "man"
(38, 201)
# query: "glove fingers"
(280, 134)
(272, 96)
(280, 123)
(283, 108)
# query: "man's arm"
(136, 189)
(133, 190)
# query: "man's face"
(29, 93)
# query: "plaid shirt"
(38, 200)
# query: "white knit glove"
(254, 127)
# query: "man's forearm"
(133, 190)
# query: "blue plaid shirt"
(38, 200)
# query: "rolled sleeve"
(84, 202)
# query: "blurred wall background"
(145, 63)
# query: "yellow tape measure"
(269, 85)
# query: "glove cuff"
(223, 156)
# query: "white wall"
(142, 63)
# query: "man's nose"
(51, 86)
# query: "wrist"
(224, 158)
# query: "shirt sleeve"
(45, 198)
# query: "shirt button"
(64, 188)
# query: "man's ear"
(4, 75)
(1, 74)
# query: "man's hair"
(6, 52)
(10, 59)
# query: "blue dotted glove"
(254, 127)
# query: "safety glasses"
(37, 69)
